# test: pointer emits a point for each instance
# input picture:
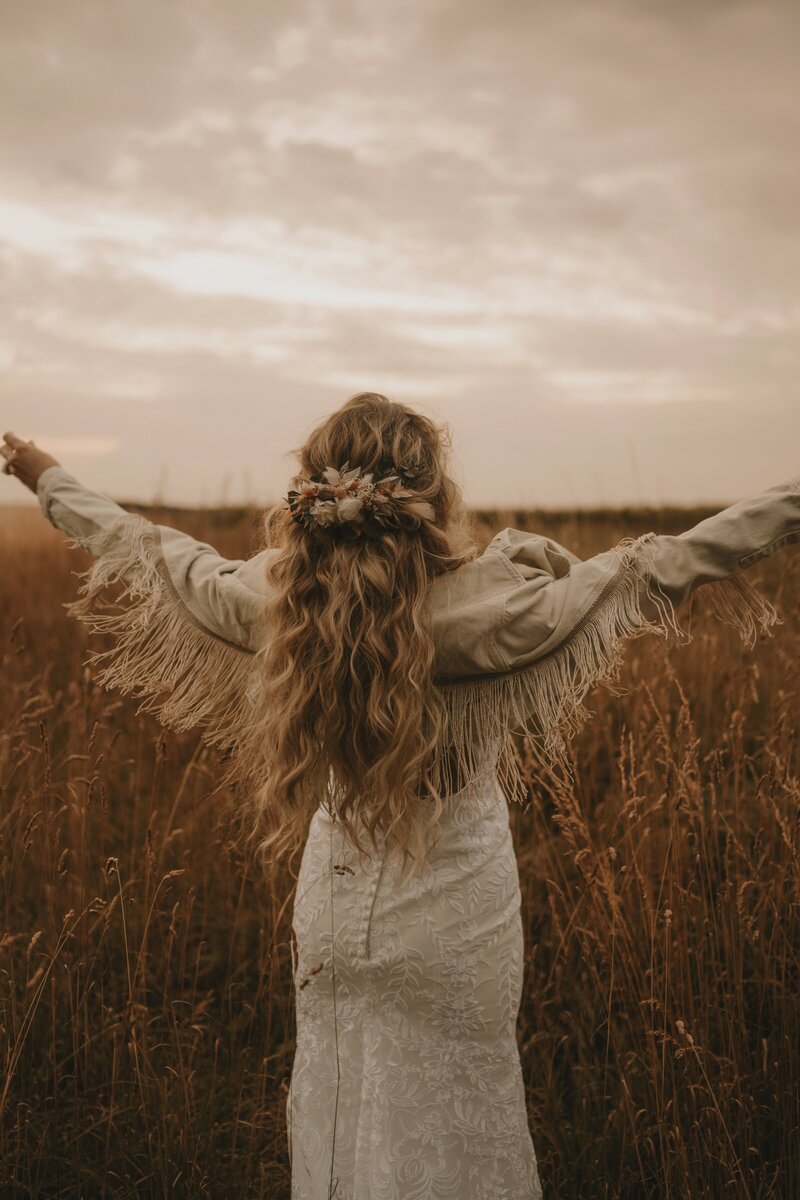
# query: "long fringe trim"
(186, 674)
(543, 701)
(191, 678)
(735, 601)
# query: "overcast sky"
(568, 229)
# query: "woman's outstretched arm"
(558, 594)
(185, 626)
(564, 620)
(222, 595)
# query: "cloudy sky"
(568, 229)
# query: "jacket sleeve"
(565, 619)
(185, 624)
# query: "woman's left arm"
(185, 627)
(223, 597)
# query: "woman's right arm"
(719, 548)
(558, 592)
(565, 620)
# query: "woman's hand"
(24, 460)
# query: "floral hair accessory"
(346, 497)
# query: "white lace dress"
(412, 1089)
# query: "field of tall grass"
(146, 1012)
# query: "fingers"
(13, 440)
(12, 445)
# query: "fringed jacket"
(521, 633)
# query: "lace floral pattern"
(426, 977)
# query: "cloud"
(240, 212)
(75, 447)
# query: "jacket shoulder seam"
(515, 573)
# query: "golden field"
(146, 1011)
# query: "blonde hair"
(349, 712)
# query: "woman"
(364, 671)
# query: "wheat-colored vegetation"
(146, 1012)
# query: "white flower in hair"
(349, 507)
(324, 512)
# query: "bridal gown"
(412, 1089)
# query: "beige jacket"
(521, 633)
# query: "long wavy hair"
(349, 712)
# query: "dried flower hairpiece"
(346, 497)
